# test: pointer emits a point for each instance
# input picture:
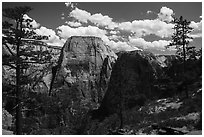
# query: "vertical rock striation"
(85, 62)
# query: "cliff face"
(84, 63)
(131, 81)
(166, 60)
(38, 72)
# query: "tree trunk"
(121, 108)
(184, 61)
(18, 102)
(18, 97)
(18, 90)
(121, 118)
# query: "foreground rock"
(84, 68)
(167, 116)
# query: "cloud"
(66, 31)
(69, 4)
(124, 36)
(62, 16)
(114, 37)
(121, 46)
(147, 27)
(113, 32)
(98, 19)
(53, 39)
(140, 27)
(74, 24)
(197, 29)
(166, 14)
(142, 44)
(30, 22)
(80, 15)
(149, 11)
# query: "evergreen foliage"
(20, 40)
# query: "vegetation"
(19, 33)
(181, 40)
(165, 114)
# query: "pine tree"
(181, 40)
(19, 33)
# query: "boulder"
(85, 63)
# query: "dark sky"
(49, 14)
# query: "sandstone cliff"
(37, 71)
(166, 60)
(85, 63)
(131, 81)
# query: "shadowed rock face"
(131, 81)
(86, 63)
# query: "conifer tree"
(20, 35)
(181, 40)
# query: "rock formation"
(131, 81)
(39, 72)
(166, 60)
(84, 63)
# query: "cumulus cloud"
(98, 19)
(121, 46)
(80, 15)
(165, 14)
(197, 29)
(113, 32)
(142, 44)
(53, 39)
(140, 27)
(62, 16)
(118, 46)
(69, 4)
(66, 31)
(114, 37)
(73, 24)
(149, 11)
(147, 27)
(30, 22)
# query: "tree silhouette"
(20, 35)
(181, 40)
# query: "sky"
(124, 26)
